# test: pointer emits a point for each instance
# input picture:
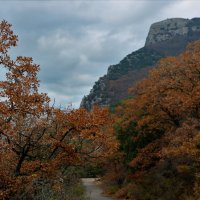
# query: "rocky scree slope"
(165, 38)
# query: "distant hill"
(165, 38)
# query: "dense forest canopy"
(159, 134)
(148, 146)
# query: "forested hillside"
(159, 134)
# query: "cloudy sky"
(75, 41)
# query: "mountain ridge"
(165, 38)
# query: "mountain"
(165, 38)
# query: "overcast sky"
(75, 41)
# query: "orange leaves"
(166, 108)
(36, 140)
(148, 156)
(86, 132)
(172, 87)
(7, 38)
(21, 88)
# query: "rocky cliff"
(165, 38)
(171, 36)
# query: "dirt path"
(93, 191)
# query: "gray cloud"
(75, 41)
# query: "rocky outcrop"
(171, 36)
(165, 38)
(166, 30)
(98, 95)
(113, 86)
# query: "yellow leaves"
(34, 175)
(57, 187)
(183, 168)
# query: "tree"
(37, 140)
(166, 110)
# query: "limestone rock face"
(166, 30)
(98, 94)
(165, 38)
(113, 86)
(172, 35)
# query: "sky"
(75, 41)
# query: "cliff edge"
(165, 38)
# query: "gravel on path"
(93, 190)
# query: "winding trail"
(93, 190)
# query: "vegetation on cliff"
(165, 38)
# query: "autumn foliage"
(38, 141)
(155, 156)
(161, 127)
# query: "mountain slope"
(165, 38)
